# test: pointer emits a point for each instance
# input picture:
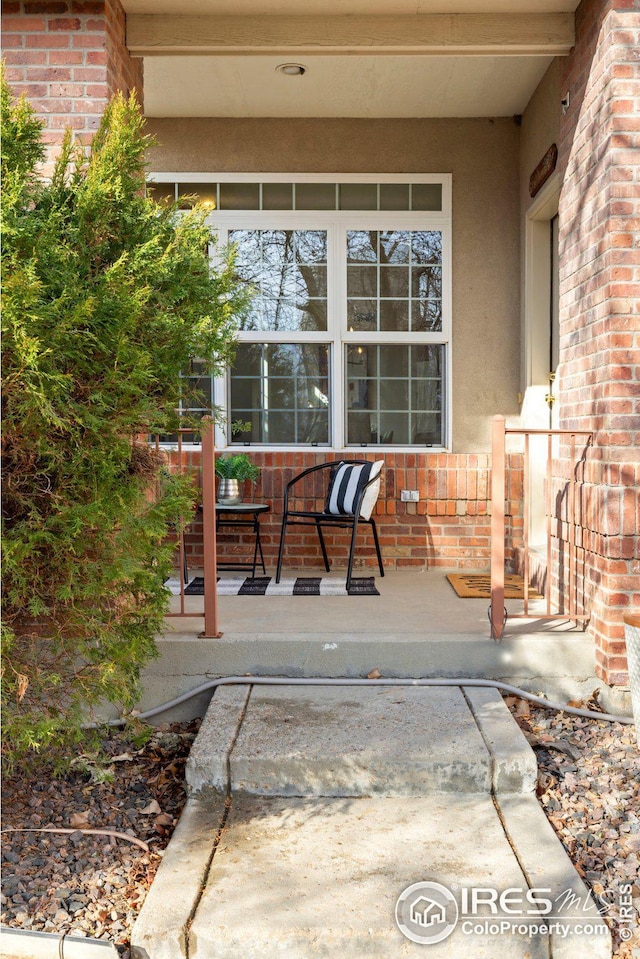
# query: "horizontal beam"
(511, 34)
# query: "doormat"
(478, 586)
(298, 586)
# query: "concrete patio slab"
(417, 627)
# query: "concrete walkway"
(313, 810)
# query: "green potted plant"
(232, 470)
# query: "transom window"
(347, 342)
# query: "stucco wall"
(483, 157)
(540, 127)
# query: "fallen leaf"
(374, 674)
(561, 746)
(79, 820)
(122, 758)
(151, 809)
(164, 819)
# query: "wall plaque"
(543, 170)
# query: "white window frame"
(337, 223)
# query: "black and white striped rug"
(298, 586)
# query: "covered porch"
(416, 627)
(529, 311)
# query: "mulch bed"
(589, 788)
(92, 885)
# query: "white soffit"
(341, 86)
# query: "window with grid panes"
(347, 341)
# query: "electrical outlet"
(409, 496)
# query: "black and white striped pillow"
(347, 481)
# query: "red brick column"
(599, 372)
(68, 57)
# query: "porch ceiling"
(386, 58)
(341, 86)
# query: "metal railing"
(176, 455)
(497, 611)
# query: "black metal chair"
(302, 517)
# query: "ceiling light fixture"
(292, 69)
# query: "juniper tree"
(107, 296)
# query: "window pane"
(246, 392)
(426, 196)
(288, 402)
(358, 196)
(394, 196)
(394, 281)
(394, 316)
(313, 316)
(361, 315)
(394, 394)
(362, 428)
(311, 246)
(277, 196)
(385, 297)
(363, 359)
(315, 196)
(313, 426)
(203, 192)
(286, 271)
(426, 246)
(239, 196)
(198, 392)
(248, 359)
(426, 316)
(362, 246)
(426, 281)
(250, 418)
(394, 360)
(395, 246)
(394, 429)
(362, 281)
(161, 192)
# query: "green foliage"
(107, 295)
(238, 467)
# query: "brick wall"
(599, 372)
(450, 527)
(68, 57)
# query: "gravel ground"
(90, 885)
(589, 788)
(95, 885)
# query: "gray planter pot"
(229, 492)
(632, 639)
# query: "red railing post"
(211, 630)
(497, 616)
(525, 516)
